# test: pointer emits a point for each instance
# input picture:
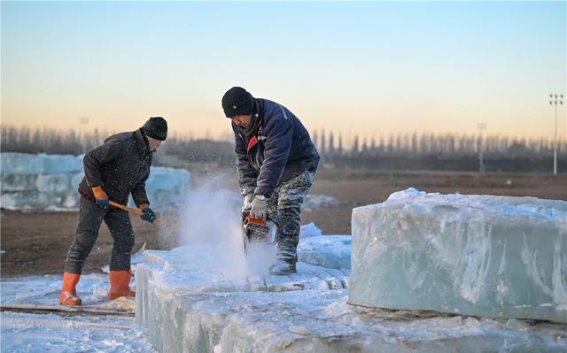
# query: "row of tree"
(404, 151)
(416, 144)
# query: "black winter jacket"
(121, 166)
(279, 150)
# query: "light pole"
(83, 121)
(555, 99)
(481, 127)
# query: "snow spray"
(211, 220)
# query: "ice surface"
(51, 333)
(489, 256)
(187, 308)
(61, 333)
(41, 181)
(44, 291)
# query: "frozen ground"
(52, 332)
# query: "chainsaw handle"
(246, 218)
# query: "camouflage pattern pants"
(90, 219)
(285, 209)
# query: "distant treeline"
(397, 152)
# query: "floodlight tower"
(555, 99)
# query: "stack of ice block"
(41, 181)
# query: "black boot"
(282, 268)
(285, 264)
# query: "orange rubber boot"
(120, 284)
(68, 294)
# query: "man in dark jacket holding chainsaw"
(113, 171)
(276, 162)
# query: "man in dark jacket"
(113, 171)
(276, 162)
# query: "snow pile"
(487, 256)
(30, 181)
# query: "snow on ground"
(50, 332)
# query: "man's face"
(153, 143)
(241, 120)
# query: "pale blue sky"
(368, 68)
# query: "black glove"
(149, 215)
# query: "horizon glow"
(368, 69)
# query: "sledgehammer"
(135, 211)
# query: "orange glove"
(101, 198)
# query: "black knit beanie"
(237, 101)
(156, 127)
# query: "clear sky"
(367, 68)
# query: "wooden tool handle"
(135, 211)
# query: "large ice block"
(188, 308)
(488, 256)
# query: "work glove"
(101, 198)
(149, 215)
(247, 202)
(258, 207)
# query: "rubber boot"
(68, 294)
(120, 284)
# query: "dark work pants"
(285, 207)
(90, 219)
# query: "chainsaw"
(258, 230)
